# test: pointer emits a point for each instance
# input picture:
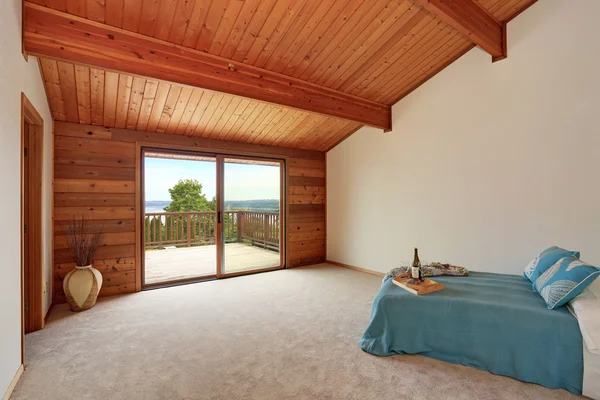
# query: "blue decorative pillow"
(545, 260)
(565, 280)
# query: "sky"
(242, 181)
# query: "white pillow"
(586, 308)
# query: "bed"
(493, 322)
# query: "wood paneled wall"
(95, 175)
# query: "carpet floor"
(290, 334)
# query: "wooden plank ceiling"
(379, 50)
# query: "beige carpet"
(288, 334)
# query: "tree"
(187, 195)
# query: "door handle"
(218, 217)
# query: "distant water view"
(266, 205)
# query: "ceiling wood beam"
(469, 18)
(58, 35)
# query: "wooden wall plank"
(93, 186)
(95, 177)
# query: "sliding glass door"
(252, 214)
(180, 216)
(207, 216)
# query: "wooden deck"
(190, 262)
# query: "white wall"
(487, 164)
(17, 76)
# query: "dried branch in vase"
(82, 241)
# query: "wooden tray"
(428, 286)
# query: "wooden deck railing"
(187, 229)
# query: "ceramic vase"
(82, 286)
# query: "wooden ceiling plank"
(43, 3)
(473, 21)
(82, 82)
(169, 108)
(96, 10)
(225, 117)
(207, 96)
(417, 46)
(66, 72)
(123, 99)
(244, 116)
(440, 45)
(342, 137)
(165, 19)
(252, 31)
(297, 123)
(52, 83)
(317, 134)
(246, 134)
(425, 69)
(256, 133)
(380, 24)
(423, 32)
(196, 22)
(299, 10)
(146, 107)
(245, 16)
(54, 34)
(322, 53)
(331, 131)
(132, 13)
(75, 7)
(389, 56)
(148, 17)
(217, 116)
(506, 11)
(282, 123)
(189, 111)
(331, 22)
(179, 110)
(181, 21)
(249, 121)
(343, 133)
(294, 121)
(226, 26)
(300, 29)
(263, 135)
(162, 91)
(372, 50)
(111, 86)
(306, 123)
(97, 95)
(237, 113)
(135, 103)
(279, 11)
(211, 24)
(449, 59)
(114, 12)
(208, 113)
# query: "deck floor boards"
(190, 262)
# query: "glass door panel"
(251, 219)
(179, 216)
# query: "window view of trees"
(187, 195)
(194, 220)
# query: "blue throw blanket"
(493, 322)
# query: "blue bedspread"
(489, 321)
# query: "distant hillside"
(253, 205)
(245, 205)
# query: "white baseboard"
(13, 383)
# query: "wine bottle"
(416, 272)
